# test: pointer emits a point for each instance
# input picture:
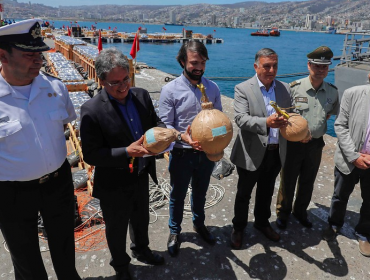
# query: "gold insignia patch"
(36, 33)
(292, 84)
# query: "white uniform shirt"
(32, 141)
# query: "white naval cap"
(24, 35)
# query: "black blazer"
(104, 135)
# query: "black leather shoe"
(236, 239)
(173, 244)
(205, 234)
(123, 275)
(304, 222)
(147, 256)
(268, 232)
(280, 223)
(330, 233)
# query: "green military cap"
(321, 55)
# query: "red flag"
(69, 31)
(63, 26)
(214, 30)
(135, 47)
(100, 44)
(109, 27)
(164, 28)
(1, 8)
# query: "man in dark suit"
(112, 125)
(259, 150)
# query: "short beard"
(193, 76)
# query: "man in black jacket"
(112, 128)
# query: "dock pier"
(300, 254)
(94, 40)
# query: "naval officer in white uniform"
(34, 174)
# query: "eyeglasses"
(124, 81)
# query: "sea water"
(232, 59)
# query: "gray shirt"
(179, 103)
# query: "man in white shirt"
(34, 174)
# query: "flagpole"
(137, 38)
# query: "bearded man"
(179, 103)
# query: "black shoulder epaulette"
(50, 75)
(292, 84)
(330, 84)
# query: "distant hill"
(275, 13)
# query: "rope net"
(90, 233)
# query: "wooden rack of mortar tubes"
(75, 147)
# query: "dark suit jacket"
(250, 116)
(105, 134)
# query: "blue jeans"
(186, 165)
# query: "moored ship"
(275, 32)
(173, 24)
(261, 32)
(354, 65)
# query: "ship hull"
(346, 77)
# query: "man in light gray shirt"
(179, 103)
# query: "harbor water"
(232, 59)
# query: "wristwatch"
(179, 137)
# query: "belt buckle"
(271, 147)
(44, 179)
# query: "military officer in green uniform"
(316, 100)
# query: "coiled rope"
(159, 196)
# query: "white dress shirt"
(267, 97)
(32, 141)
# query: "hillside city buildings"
(306, 15)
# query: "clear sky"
(138, 2)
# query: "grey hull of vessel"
(354, 66)
(346, 77)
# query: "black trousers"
(302, 162)
(126, 206)
(265, 177)
(20, 203)
(344, 185)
